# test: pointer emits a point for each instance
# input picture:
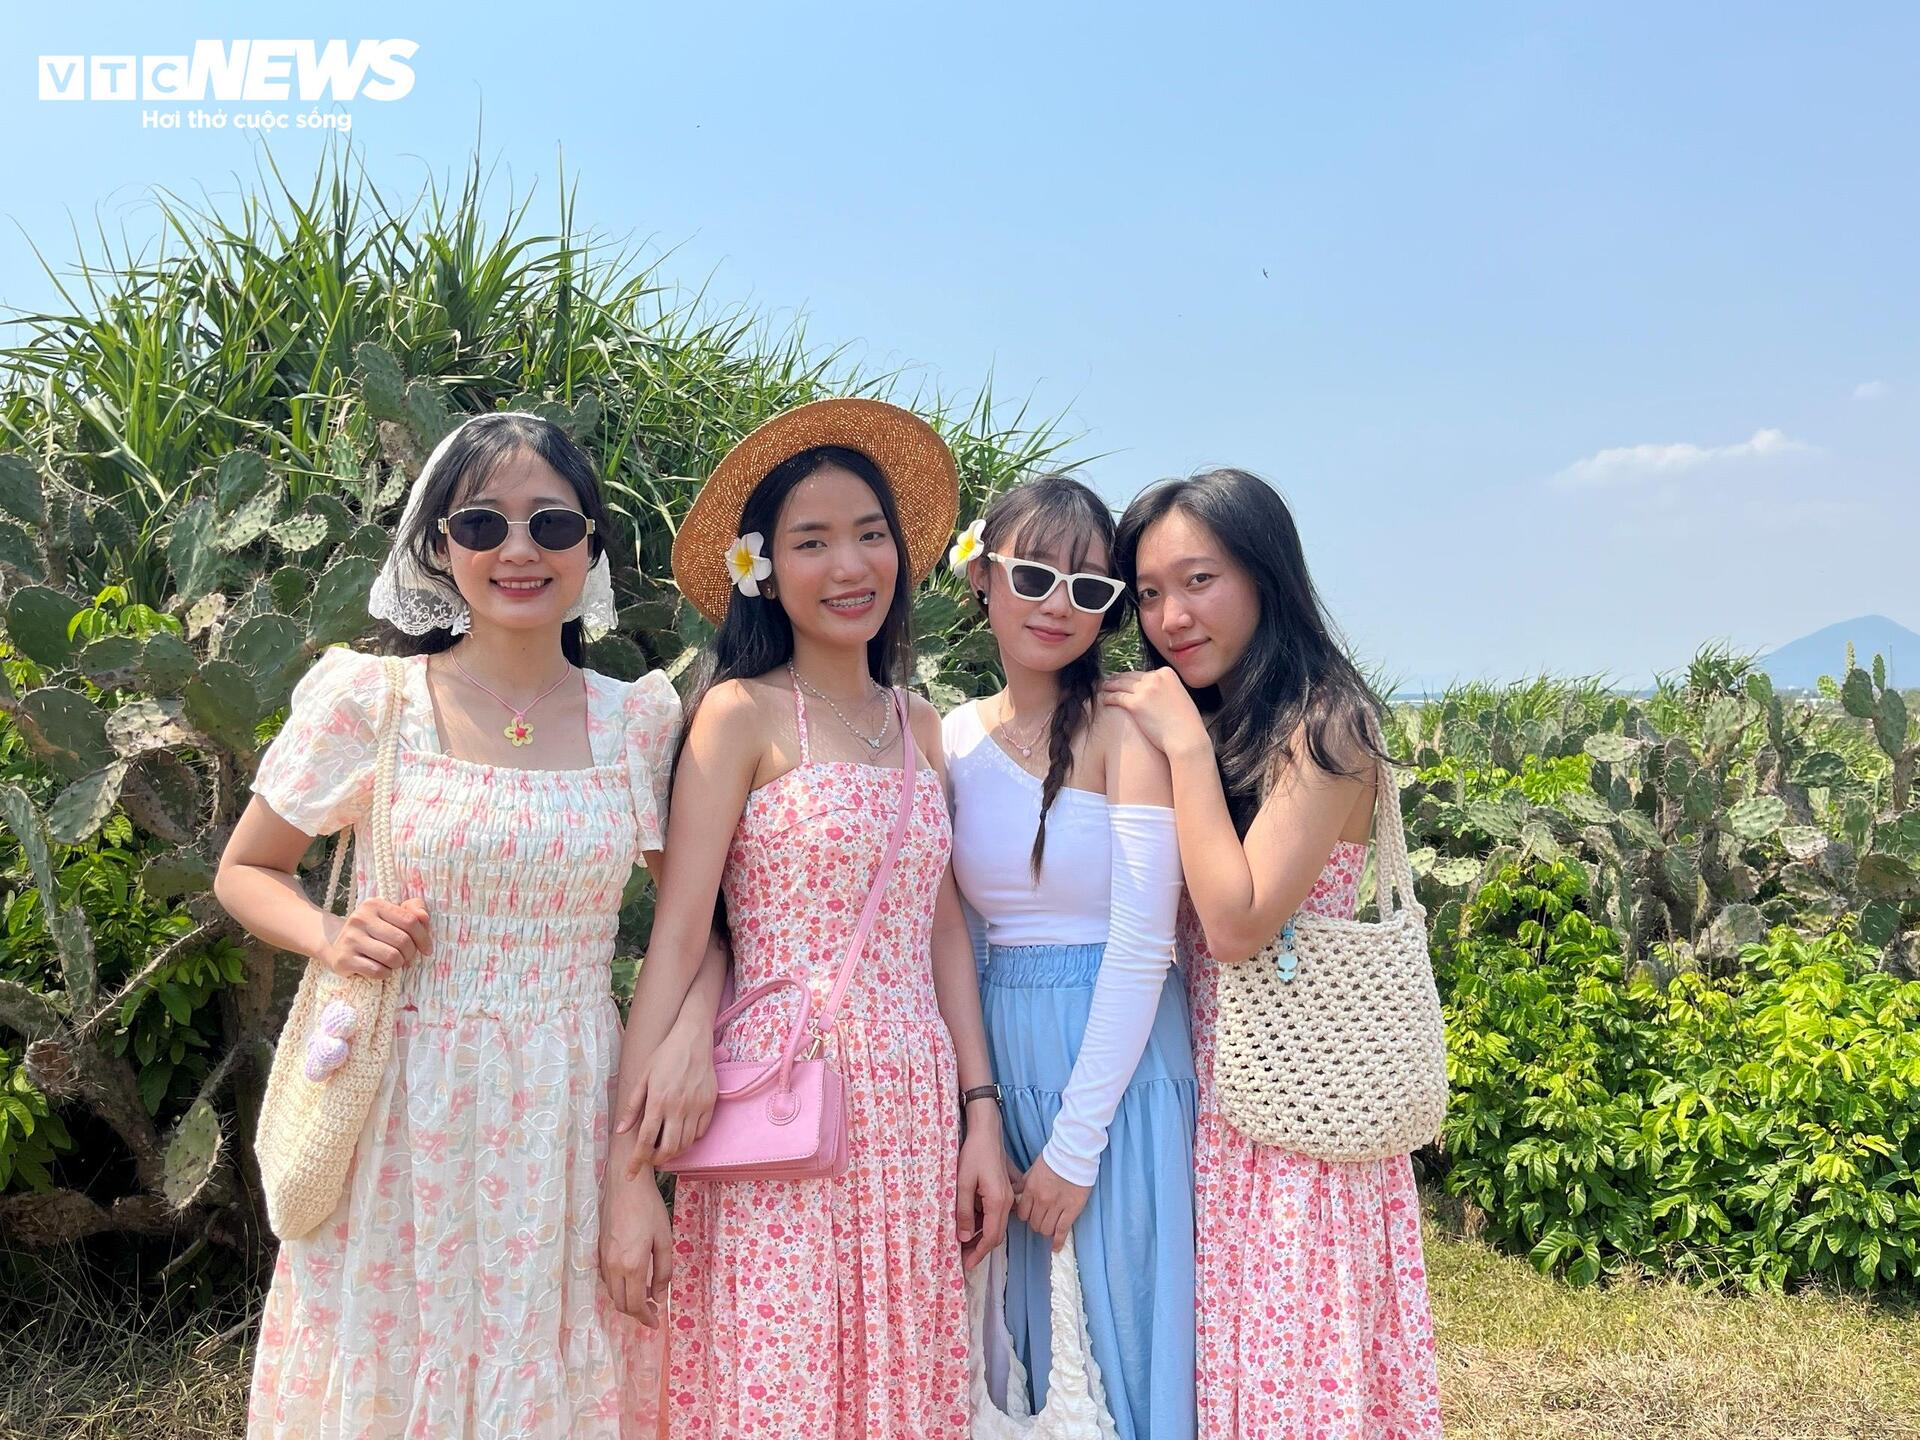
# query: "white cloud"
(1871, 389)
(1627, 464)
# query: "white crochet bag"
(1076, 1407)
(333, 1050)
(1329, 1042)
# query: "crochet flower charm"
(970, 546)
(327, 1046)
(746, 564)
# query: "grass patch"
(1522, 1357)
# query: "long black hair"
(1056, 514)
(464, 468)
(755, 635)
(1294, 672)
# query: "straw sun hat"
(908, 451)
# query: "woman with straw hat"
(831, 1306)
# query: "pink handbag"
(786, 1118)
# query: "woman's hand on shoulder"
(1161, 706)
(1137, 770)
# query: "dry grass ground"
(1525, 1358)
(1521, 1358)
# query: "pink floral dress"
(1311, 1290)
(815, 1309)
(456, 1290)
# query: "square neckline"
(446, 756)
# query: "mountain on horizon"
(1799, 664)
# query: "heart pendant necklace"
(518, 731)
(1026, 748)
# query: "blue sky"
(1576, 337)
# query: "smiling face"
(835, 560)
(1044, 634)
(518, 585)
(1198, 605)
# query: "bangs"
(1048, 521)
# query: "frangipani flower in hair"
(746, 564)
(969, 547)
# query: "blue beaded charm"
(1286, 961)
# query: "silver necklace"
(872, 742)
(1026, 749)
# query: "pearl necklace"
(872, 742)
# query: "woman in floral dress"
(1311, 1301)
(831, 1307)
(455, 1291)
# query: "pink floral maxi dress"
(833, 1308)
(455, 1291)
(1311, 1288)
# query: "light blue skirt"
(1134, 1240)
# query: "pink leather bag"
(786, 1119)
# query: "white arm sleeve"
(1126, 992)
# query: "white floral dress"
(456, 1291)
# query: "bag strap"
(1393, 872)
(857, 942)
(380, 820)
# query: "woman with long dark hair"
(453, 1291)
(833, 1306)
(1311, 1303)
(1064, 846)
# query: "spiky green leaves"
(22, 494)
(339, 609)
(65, 729)
(38, 619)
(192, 1153)
(192, 553)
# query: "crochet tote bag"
(1076, 1407)
(334, 1046)
(1329, 1042)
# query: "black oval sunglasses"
(475, 527)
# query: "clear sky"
(1576, 336)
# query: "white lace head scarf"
(415, 598)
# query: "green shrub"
(1755, 1128)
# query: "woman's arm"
(258, 886)
(984, 1194)
(1243, 892)
(669, 1105)
(1145, 897)
(679, 979)
(716, 771)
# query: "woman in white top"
(1064, 848)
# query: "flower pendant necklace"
(518, 731)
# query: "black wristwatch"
(979, 1092)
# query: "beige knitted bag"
(1329, 1041)
(334, 1048)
